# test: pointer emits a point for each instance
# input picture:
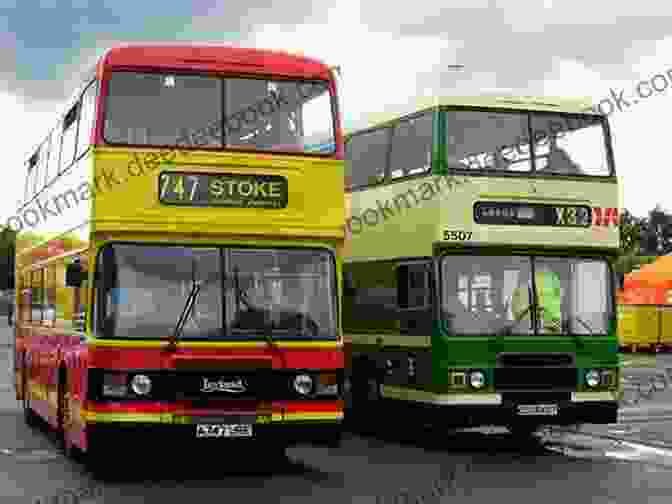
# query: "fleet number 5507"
(456, 235)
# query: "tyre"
(30, 417)
(523, 431)
(64, 416)
(100, 457)
(364, 402)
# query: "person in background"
(10, 308)
(549, 295)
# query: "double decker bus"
(178, 256)
(478, 281)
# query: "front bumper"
(146, 435)
(502, 410)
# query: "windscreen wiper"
(575, 337)
(188, 307)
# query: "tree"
(7, 251)
(630, 233)
(659, 231)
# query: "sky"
(389, 56)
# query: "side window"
(411, 147)
(62, 294)
(28, 188)
(55, 151)
(369, 301)
(80, 306)
(87, 117)
(33, 166)
(413, 286)
(46, 162)
(51, 156)
(50, 302)
(366, 156)
(69, 141)
(25, 298)
(37, 293)
(41, 158)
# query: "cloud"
(390, 57)
(381, 71)
(23, 125)
(638, 139)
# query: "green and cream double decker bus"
(478, 281)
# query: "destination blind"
(223, 189)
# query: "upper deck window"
(488, 141)
(210, 112)
(569, 145)
(411, 147)
(367, 155)
(564, 144)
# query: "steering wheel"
(555, 325)
(307, 324)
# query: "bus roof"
(211, 58)
(512, 102)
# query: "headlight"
(592, 378)
(141, 384)
(477, 379)
(303, 384)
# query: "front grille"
(259, 385)
(535, 379)
(210, 386)
(535, 360)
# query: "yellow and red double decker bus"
(178, 255)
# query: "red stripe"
(215, 411)
(157, 358)
(317, 407)
(120, 407)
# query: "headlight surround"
(592, 378)
(303, 384)
(326, 384)
(477, 379)
(115, 385)
(141, 384)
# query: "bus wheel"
(64, 416)
(29, 416)
(523, 431)
(277, 455)
(365, 399)
(100, 458)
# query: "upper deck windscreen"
(162, 109)
(562, 144)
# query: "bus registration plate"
(223, 430)
(538, 409)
